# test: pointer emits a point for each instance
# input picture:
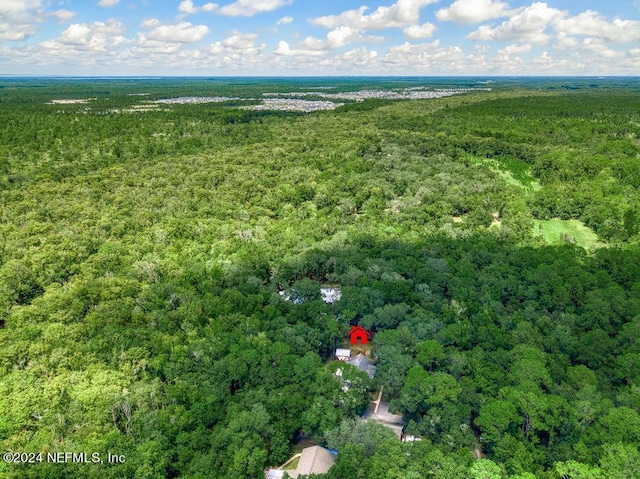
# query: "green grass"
(293, 464)
(513, 171)
(557, 231)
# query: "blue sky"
(329, 37)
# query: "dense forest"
(488, 240)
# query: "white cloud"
(240, 52)
(432, 58)
(510, 54)
(544, 61)
(565, 42)
(425, 30)
(472, 11)
(349, 25)
(96, 36)
(284, 49)
(20, 19)
(249, 8)
(187, 7)
(284, 21)
(16, 6)
(409, 52)
(153, 50)
(183, 32)
(349, 17)
(243, 43)
(85, 44)
(108, 3)
(15, 32)
(600, 48)
(336, 38)
(63, 15)
(528, 25)
(148, 23)
(360, 57)
(515, 48)
(76, 34)
(592, 24)
(401, 14)
(340, 37)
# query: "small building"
(274, 474)
(358, 335)
(343, 354)
(330, 295)
(291, 296)
(363, 364)
(313, 460)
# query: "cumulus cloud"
(19, 19)
(425, 30)
(600, 48)
(472, 11)
(16, 6)
(108, 3)
(565, 42)
(148, 23)
(528, 25)
(433, 58)
(243, 43)
(410, 52)
(515, 49)
(96, 36)
(187, 7)
(63, 15)
(284, 21)
(401, 14)
(15, 32)
(249, 8)
(360, 57)
(183, 32)
(350, 25)
(593, 24)
(85, 43)
(339, 37)
(284, 49)
(336, 38)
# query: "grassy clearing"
(557, 231)
(513, 171)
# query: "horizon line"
(40, 75)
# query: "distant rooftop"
(363, 364)
(330, 295)
(313, 460)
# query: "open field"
(558, 231)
